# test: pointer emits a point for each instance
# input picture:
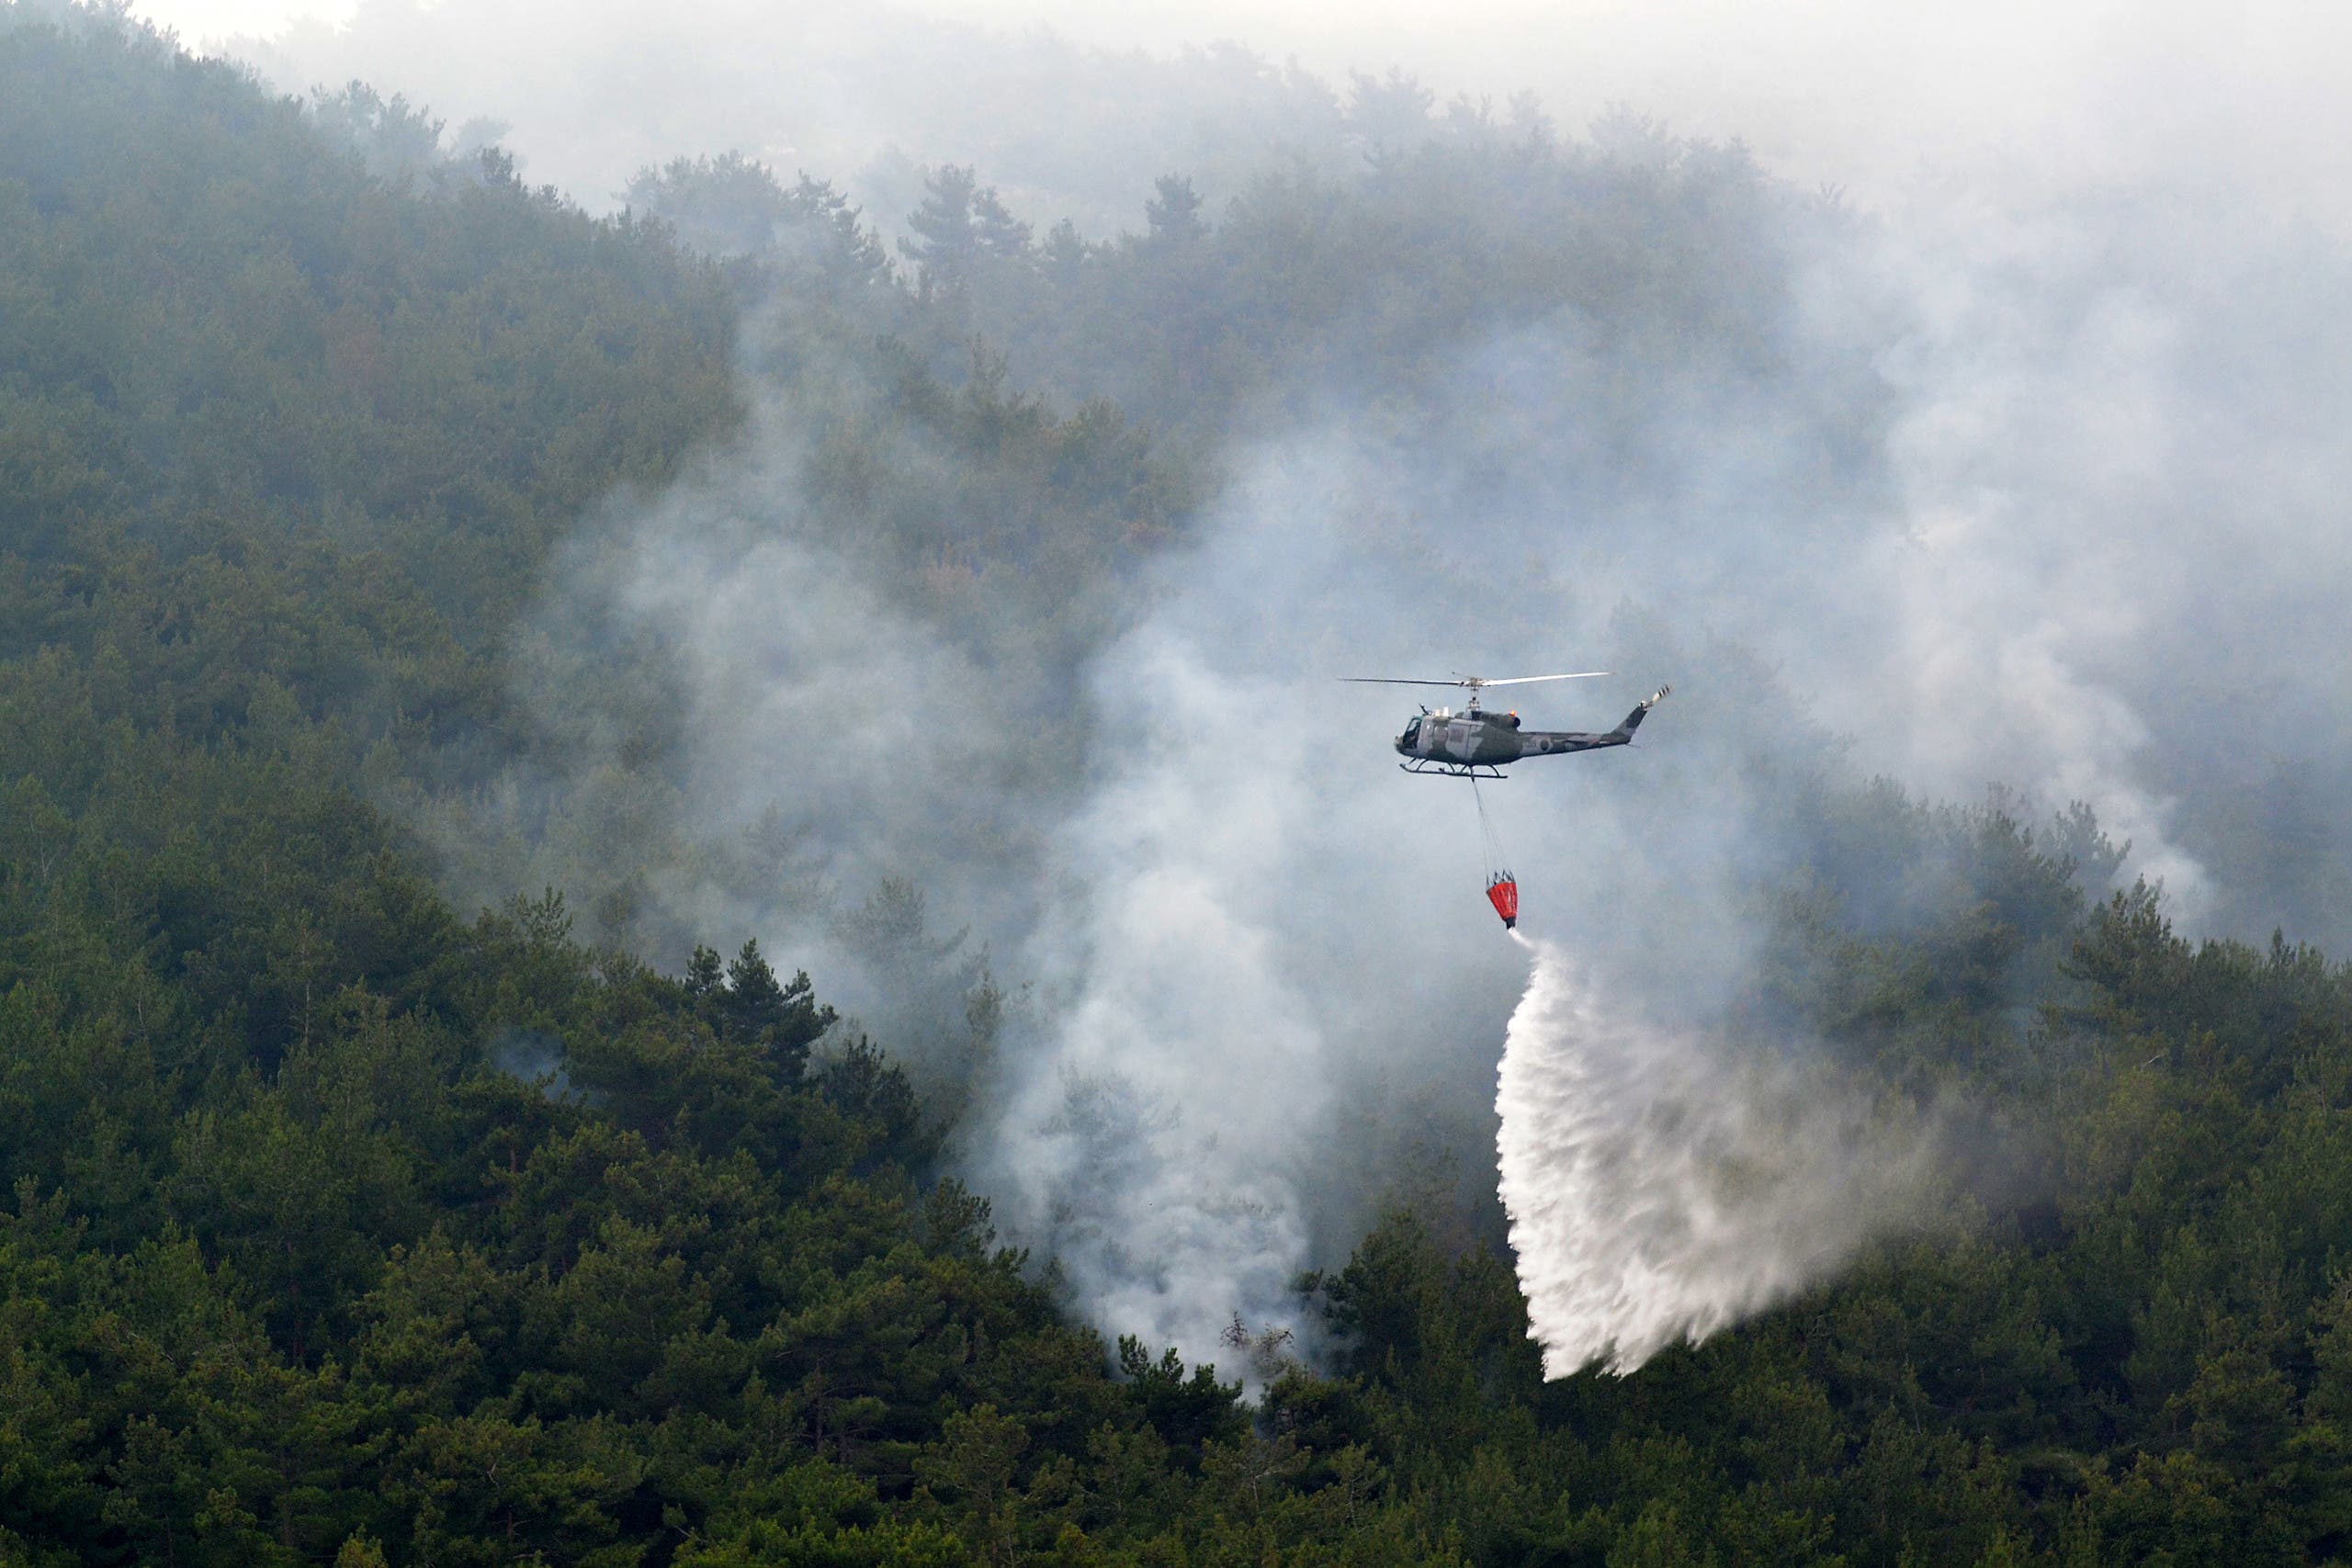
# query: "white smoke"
(2017, 468)
(1659, 1191)
(1251, 916)
(1149, 1136)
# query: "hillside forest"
(395, 1173)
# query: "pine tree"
(1175, 213)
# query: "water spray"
(1659, 1192)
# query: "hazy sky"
(1859, 92)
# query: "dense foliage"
(342, 1227)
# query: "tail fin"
(1633, 720)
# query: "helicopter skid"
(1452, 769)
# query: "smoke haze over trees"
(940, 599)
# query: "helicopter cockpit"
(1413, 725)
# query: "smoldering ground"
(2036, 492)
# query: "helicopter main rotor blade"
(1523, 679)
(1473, 681)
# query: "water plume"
(1659, 1191)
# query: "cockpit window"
(1411, 730)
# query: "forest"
(393, 1177)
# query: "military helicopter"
(1476, 744)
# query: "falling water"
(1659, 1189)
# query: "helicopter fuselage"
(1445, 743)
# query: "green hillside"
(343, 1225)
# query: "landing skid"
(1453, 769)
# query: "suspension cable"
(1491, 840)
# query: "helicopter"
(1476, 744)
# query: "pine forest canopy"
(347, 1224)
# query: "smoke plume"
(2024, 474)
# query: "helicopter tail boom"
(1550, 742)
